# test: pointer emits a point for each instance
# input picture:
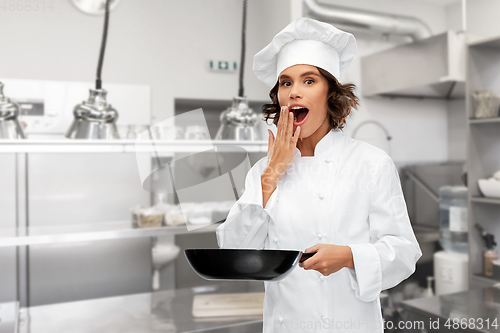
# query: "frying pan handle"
(305, 256)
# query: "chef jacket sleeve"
(393, 251)
(247, 222)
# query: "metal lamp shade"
(94, 118)
(238, 122)
(9, 124)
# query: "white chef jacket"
(348, 193)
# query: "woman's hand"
(280, 153)
(328, 259)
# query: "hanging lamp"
(9, 124)
(239, 122)
(95, 118)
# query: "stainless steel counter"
(166, 312)
(472, 309)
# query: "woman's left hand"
(328, 259)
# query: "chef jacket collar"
(331, 141)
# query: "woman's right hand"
(280, 153)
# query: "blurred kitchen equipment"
(490, 254)
(421, 184)
(464, 175)
(486, 103)
(451, 272)
(428, 292)
(243, 264)
(239, 122)
(95, 119)
(135, 130)
(122, 131)
(496, 269)
(199, 214)
(151, 217)
(9, 124)
(178, 133)
(365, 21)
(162, 253)
(196, 132)
(94, 7)
(400, 71)
(454, 227)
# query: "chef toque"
(307, 42)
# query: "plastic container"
(454, 227)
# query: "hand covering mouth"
(300, 115)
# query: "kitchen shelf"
(123, 146)
(488, 278)
(484, 120)
(494, 201)
(88, 232)
(489, 42)
(481, 281)
(483, 144)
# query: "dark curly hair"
(341, 101)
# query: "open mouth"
(300, 115)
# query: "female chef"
(321, 191)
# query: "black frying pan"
(244, 264)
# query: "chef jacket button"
(280, 319)
(321, 277)
(320, 236)
(328, 160)
(276, 239)
(321, 196)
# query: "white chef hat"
(308, 42)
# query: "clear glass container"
(453, 227)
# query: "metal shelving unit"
(89, 232)
(22, 236)
(484, 121)
(493, 201)
(483, 147)
(23, 231)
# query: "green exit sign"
(223, 65)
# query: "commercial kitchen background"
(165, 46)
